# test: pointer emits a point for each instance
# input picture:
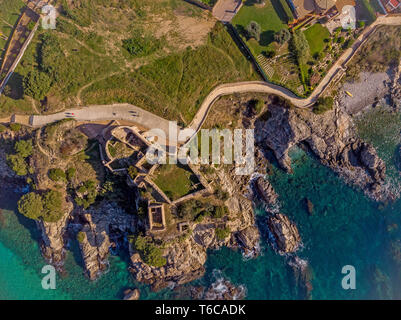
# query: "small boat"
(349, 93)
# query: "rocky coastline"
(331, 138)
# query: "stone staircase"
(265, 65)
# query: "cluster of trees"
(47, 206)
(197, 210)
(253, 29)
(86, 194)
(38, 81)
(282, 36)
(23, 149)
(150, 253)
(300, 47)
(58, 175)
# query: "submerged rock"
(221, 289)
(309, 206)
(284, 232)
(249, 239)
(131, 294)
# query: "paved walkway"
(149, 120)
(95, 113)
(225, 10)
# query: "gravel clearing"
(370, 87)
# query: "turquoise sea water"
(345, 229)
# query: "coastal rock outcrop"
(102, 227)
(185, 262)
(52, 244)
(330, 137)
(284, 232)
(265, 191)
(249, 240)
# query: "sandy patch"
(186, 31)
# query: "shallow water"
(346, 229)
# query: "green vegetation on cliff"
(48, 206)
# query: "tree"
(301, 47)
(52, 206)
(24, 148)
(254, 30)
(57, 175)
(15, 127)
(17, 164)
(282, 36)
(36, 84)
(31, 205)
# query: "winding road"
(149, 120)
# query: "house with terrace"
(308, 10)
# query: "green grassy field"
(175, 181)
(87, 62)
(270, 17)
(174, 87)
(10, 10)
(315, 36)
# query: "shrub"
(52, 206)
(220, 194)
(17, 164)
(222, 233)
(15, 127)
(132, 172)
(150, 253)
(81, 236)
(31, 206)
(24, 148)
(57, 175)
(70, 173)
(219, 212)
(36, 84)
(86, 194)
(141, 45)
(323, 104)
(3, 128)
